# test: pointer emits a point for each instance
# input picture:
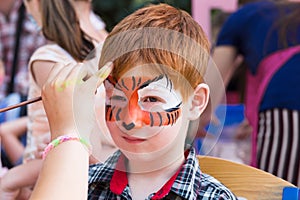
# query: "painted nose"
(133, 114)
(131, 119)
(129, 126)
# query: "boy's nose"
(131, 119)
(129, 126)
(132, 116)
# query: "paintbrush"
(102, 74)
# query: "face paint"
(139, 101)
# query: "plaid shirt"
(29, 41)
(189, 182)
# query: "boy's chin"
(143, 156)
(147, 162)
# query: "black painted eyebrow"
(133, 82)
(116, 85)
(169, 81)
(174, 108)
(115, 97)
(146, 83)
(139, 82)
(124, 86)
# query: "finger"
(64, 73)
(65, 77)
(88, 86)
(92, 82)
(74, 76)
(84, 73)
(55, 70)
(104, 72)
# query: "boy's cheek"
(111, 126)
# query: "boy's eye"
(148, 103)
(118, 98)
(151, 99)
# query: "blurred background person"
(266, 35)
(19, 38)
(71, 37)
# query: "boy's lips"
(130, 139)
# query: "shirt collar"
(188, 180)
(180, 183)
(119, 179)
(103, 172)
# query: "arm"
(64, 174)
(226, 60)
(10, 132)
(40, 71)
(225, 55)
(38, 123)
(18, 178)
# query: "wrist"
(65, 138)
(55, 133)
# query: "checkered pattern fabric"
(190, 183)
(30, 39)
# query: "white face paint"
(145, 115)
(159, 96)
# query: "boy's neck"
(150, 181)
(155, 166)
(156, 161)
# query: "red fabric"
(168, 185)
(119, 179)
(166, 188)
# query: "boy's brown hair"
(159, 35)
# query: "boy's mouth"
(130, 139)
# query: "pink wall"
(201, 11)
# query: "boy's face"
(143, 112)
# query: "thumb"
(92, 82)
(84, 101)
(103, 73)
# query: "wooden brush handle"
(23, 103)
(102, 74)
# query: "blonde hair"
(160, 35)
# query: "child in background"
(155, 90)
(71, 38)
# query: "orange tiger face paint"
(139, 101)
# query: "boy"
(156, 88)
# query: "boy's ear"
(199, 101)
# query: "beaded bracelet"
(63, 138)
